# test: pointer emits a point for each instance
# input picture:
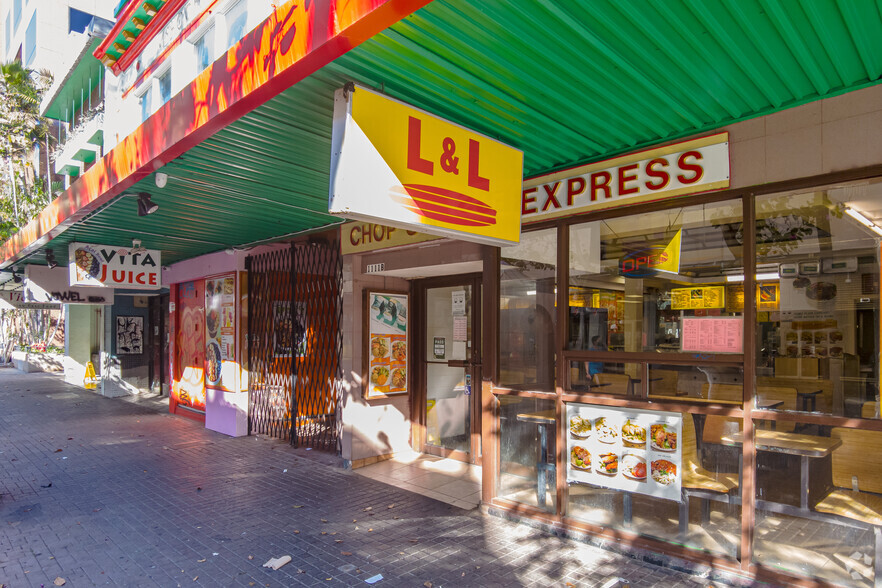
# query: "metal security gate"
(295, 343)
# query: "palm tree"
(21, 127)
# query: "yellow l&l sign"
(400, 166)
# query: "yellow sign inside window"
(698, 298)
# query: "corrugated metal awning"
(567, 82)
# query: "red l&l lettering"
(414, 161)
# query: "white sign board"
(688, 167)
(44, 284)
(625, 449)
(114, 267)
(12, 299)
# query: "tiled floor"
(444, 479)
(101, 492)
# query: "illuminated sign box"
(698, 298)
(395, 165)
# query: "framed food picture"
(386, 346)
(637, 451)
(221, 367)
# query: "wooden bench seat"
(858, 480)
(697, 481)
(859, 506)
(696, 477)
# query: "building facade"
(679, 354)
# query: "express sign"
(114, 267)
(699, 165)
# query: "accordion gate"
(295, 343)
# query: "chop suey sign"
(114, 267)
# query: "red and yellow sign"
(400, 166)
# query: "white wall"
(52, 27)
(80, 336)
(124, 92)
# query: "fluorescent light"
(862, 218)
(859, 217)
(758, 277)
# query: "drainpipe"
(12, 184)
(48, 173)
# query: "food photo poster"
(636, 451)
(387, 344)
(220, 332)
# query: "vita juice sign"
(115, 267)
(403, 167)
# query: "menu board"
(768, 297)
(698, 298)
(712, 334)
(387, 328)
(811, 338)
(220, 332)
(625, 449)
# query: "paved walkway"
(102, 491)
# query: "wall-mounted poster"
(129, 335)
(283, 321)
(767, 296)
(188, 389)
(388, 345)
(221, 367)
(625, 449)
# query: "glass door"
(450, 374)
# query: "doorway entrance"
(449, 367)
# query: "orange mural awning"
(297, 39)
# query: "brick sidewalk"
(102, 491)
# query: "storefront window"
(527, 311)
(818, 500)
(718, 384)
(818, 299)
(527, 448)
(657, 281)
(621, 379)
(661, 474)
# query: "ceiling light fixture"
(759, 277)
(862, 218)
(161, 179)
(50, 259)
(15, 277)
(137, 248)
(145, 205)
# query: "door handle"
(463, 364)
